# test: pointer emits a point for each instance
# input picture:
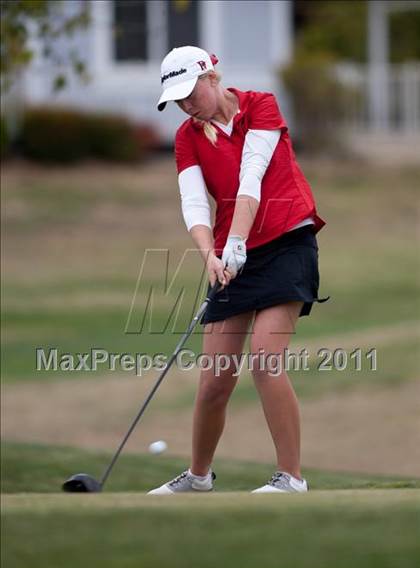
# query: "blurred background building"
(127, 40)
(366, 44)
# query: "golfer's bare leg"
(272, 330)
(213, 394)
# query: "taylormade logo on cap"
(180, 70)
(172, 74)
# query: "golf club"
(84, 483)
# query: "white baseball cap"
(180, 70)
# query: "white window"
(130, 30)
(145, 30)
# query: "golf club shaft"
(178, 348)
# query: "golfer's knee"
(264, 363)
(215, 394)
(258, 375)
(255, 360)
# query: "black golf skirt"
(283, 270)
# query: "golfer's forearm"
(244, 215)
(203, 239)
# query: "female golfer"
(263, 249)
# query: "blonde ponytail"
(209, 129)
(210, 132)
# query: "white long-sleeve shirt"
(259, 146)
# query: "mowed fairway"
(360, 528)
(345, 520)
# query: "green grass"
(57, 203)
(379, 300)
(368, 259)
(29, 468)
(396, 362)
(79, 330)
(345, 520)
(73, 243)
(326, 529)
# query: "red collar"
(243, 101)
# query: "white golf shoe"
(282, 482)
(186, 482)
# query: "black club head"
(82, 483)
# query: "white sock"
(293, 477)
(200, 477)
(298, 480)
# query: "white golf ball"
(158, 447)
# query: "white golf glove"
(234, 254)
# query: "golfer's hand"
(234, 255)
(216, 271)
